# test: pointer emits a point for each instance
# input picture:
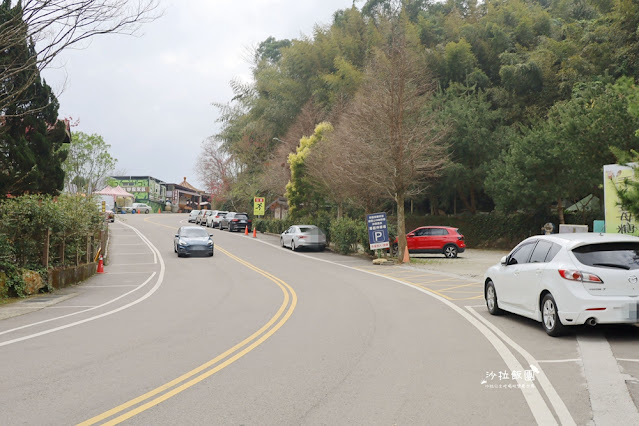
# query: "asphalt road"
(258, 334)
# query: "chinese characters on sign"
(377, 230)
(627, 223)
(617, 220)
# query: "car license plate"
(631, 311)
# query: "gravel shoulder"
(471, 264)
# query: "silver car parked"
(307, 236)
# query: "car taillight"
(235, 220)
(574, 275)
(301, 237)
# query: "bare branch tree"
(216, 169)
(386, 143)
(55, 25)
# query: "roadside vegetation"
(506, 108)
(40, 229)
(38, 232)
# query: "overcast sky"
(149, 96)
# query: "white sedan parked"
(568, 279)
(308, 236)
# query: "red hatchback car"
(435, 239)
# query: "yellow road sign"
(258, 206)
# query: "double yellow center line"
(156, 396)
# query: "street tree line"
(457, 106)
(34, 141)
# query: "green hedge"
(345, 234)
(23, 224)
(497, 230)
(493, 230)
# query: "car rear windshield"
(309, 230)
(194, 232)
(241, 216)
(609, 255)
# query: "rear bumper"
(613, 310)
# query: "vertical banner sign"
(258, 206)
(103, 206)
(377, 230)
(618, 220)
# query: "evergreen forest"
(440, 107)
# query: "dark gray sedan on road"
(193, 240)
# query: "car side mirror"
(504, 260)
(210, 235)
(177, 235)
(410, 235)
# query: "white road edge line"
(77, 313)
(558, 404)
(540, 410)
(157, 285)
(628, 360)
(559, 360)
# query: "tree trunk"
(560, 210)
(464, 200)
(401, 228)
(473, 199)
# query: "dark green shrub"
(260, 224)
(344, 235)
(24, 222)
(362, 236)
(323, 221)
(277, 226)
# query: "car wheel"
(230, 230)
(450, 251)
(211, 253)
(491, 299)
(322, 248)
(147, 211)
(282, 242)
(550, 317)
(134, 211)
(293, 245)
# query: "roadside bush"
(362, 237)
(277, 226)
(260, 224)
(496, 230)
(24, 222)
(323, 221)
(344, 235)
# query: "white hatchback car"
(568, 279)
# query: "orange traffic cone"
(160, 210)
(254, 232)
(100, 266)
(246, 230)
(406, 256)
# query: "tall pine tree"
(31, 138)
